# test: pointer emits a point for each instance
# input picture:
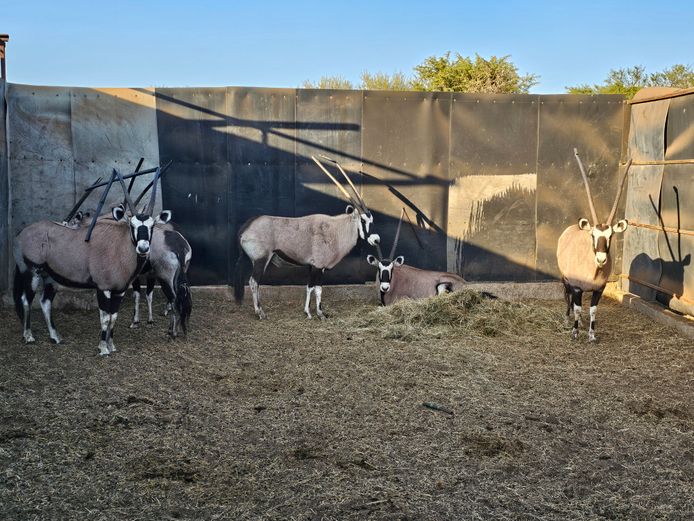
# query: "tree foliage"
(329, 82)
(443, 73)
(630, 80)
(383, 81)
(463, 74)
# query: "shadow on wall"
(668, 274)
(228, 169)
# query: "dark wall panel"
(4, 196)
(491, 208)
(593, 124)
(192, 126)
(406, 139)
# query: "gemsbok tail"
(184, 299)
(17, 292)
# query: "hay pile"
(464, 311)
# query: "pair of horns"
(593, 213)
(133, 205)
(395, 241)
(356, 199)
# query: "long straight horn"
(619, 193)
(128, 199)
(357, 195)
(337, 183)
(397, 236)
(152, 199)
(593, 214)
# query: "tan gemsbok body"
(318, 241)
(396, 280)
(55, 252)
(583, 256)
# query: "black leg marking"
(595, 299)
(577, 300)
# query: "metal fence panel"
(4, 197)
(113, 129)
(680, 122)
(40, 153)
(491, 205)
(593, 124)
(192, 126)
(406, 139)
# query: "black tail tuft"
(488, 295)
(241, 274)
(184, 301)
(17, 291)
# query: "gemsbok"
(109, 262)
(396, 280)
(583, 256)
(169, 259)
(318, 241)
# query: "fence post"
(4, 38)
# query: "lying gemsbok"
(54, 252)
(583, 255)
(396, 280)
(318, 241)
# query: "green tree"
(383, 81)
(329, 82)
(630, 80)
(463, 74)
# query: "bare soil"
(295, 419)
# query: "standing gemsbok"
(396, 280)
(317, 241)
(108, 262)
(583, 256)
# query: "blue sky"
(125, 43)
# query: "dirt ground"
(297, 419)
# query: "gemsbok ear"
(583, 224)
(372, 260)
(399, 260)
(78, 216)
(620, 226)
(349, 209)
(117, 212)
(164, 217)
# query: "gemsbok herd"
(118, 248)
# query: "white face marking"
(385, 286)
(107, 294)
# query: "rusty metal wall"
(660, 240)
(489, 181)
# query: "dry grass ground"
(297, 419)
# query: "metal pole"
(4, 38)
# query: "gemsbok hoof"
(56, 340)
(29, 338)
(103, 349)
(134, 325)
(574, 334)
(592, 337)
(150, 322)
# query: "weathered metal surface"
(491, 205)
(4, 197)
(641, 254)
(118, 141)
(406, 138)
(593, 124)
(680, 129)
(647, 135)
(40, 151)
(192, 127)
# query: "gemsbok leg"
(569, 305)
(47, 296)
(594, 300)
(149, 292)
(259, 266)
(109, 303)
(315, 277)
(25, 284)
(137, 290)
(577, 299)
